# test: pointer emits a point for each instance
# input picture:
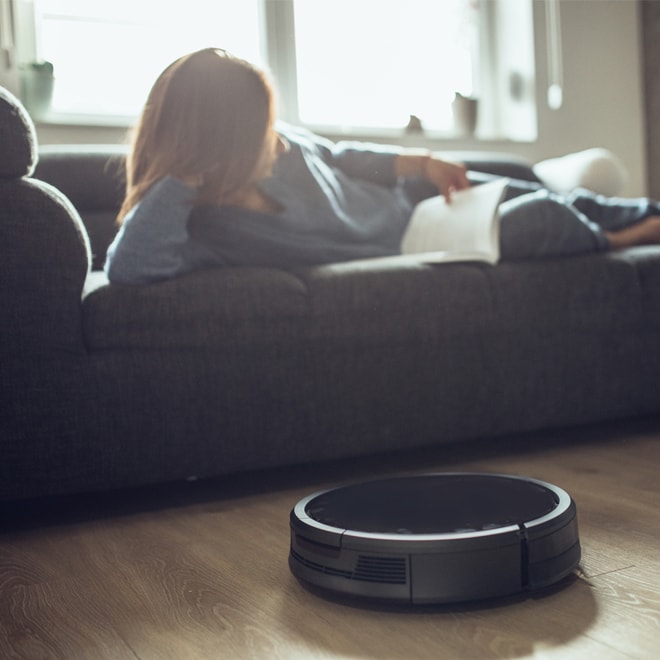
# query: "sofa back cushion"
(93, 178)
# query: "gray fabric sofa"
(225, 370)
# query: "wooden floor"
(200, 570)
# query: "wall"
(603, 87)
(603, 91)
(651, 44)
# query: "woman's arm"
(447, 176)
(149, 245)
(363, 160)
(381, 164)
(384, 165)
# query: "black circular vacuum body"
(435, 538)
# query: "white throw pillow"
(597, 169)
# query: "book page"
(465, 229)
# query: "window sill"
(426, 139)
(433, 139)
(71, 120)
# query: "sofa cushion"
(206, 310)
(489, 162)
(646, 264)
(378, 301)
(393, 298)
(93, 178)
(388, 299)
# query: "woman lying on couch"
(213, 180)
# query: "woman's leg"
(612, 213)
(541, 224)
(645, 232)
(544, 224)
(625, 222)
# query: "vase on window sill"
(37, 83)
(465, 111)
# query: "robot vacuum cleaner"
(435, 538)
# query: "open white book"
(467, 229)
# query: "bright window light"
(353, 67)
(108, 54)
(373, 63)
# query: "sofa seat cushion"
(217, 308)
(400, 299)
(387, 301)
(646, 262)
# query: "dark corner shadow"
(527, 612)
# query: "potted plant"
(37, 83)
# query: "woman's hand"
(448, 177)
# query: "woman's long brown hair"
(207, 116)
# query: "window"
(360, 66)
(107, 54)
(374, 63)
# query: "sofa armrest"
(43, 269)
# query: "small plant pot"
(37, 84)
(465, 111)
